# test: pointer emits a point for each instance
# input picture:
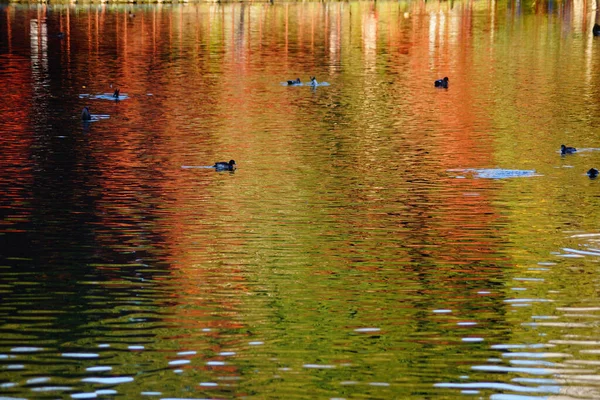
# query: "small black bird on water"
(293, 83)
(443, 83)
(592, 173)
(116, 94)
(596, 30)
(567, 150)
(225, 166)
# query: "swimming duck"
(596, 30)
(592, 173)
(225, 166)
(443, 83)
(293, 83)
(116, 94)
(567, 150)
(85, 114)
(313, 81)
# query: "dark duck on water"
(441, 83)
(225, 166)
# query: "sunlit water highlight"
(380, 239)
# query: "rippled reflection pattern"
(380, 238)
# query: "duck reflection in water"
(592, 173)
(225, 166)
(85, 114)
(567, 150)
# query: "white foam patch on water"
(442, 311)
(105, 392)
(472, 339)
(179, 362)
(583, 252)
(187, 353)
(585, 235)
(500, 386)
(536, 355)
(499, 368)
(51, 389)
(520, 346)
(37, 380)
(80, 355)
(26, 349)
(319, 366)
(536, 380)
(84, 395)
(109, 381)
(367, 330)
(497, 173)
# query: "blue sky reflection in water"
(368, 244)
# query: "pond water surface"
(380, 238)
